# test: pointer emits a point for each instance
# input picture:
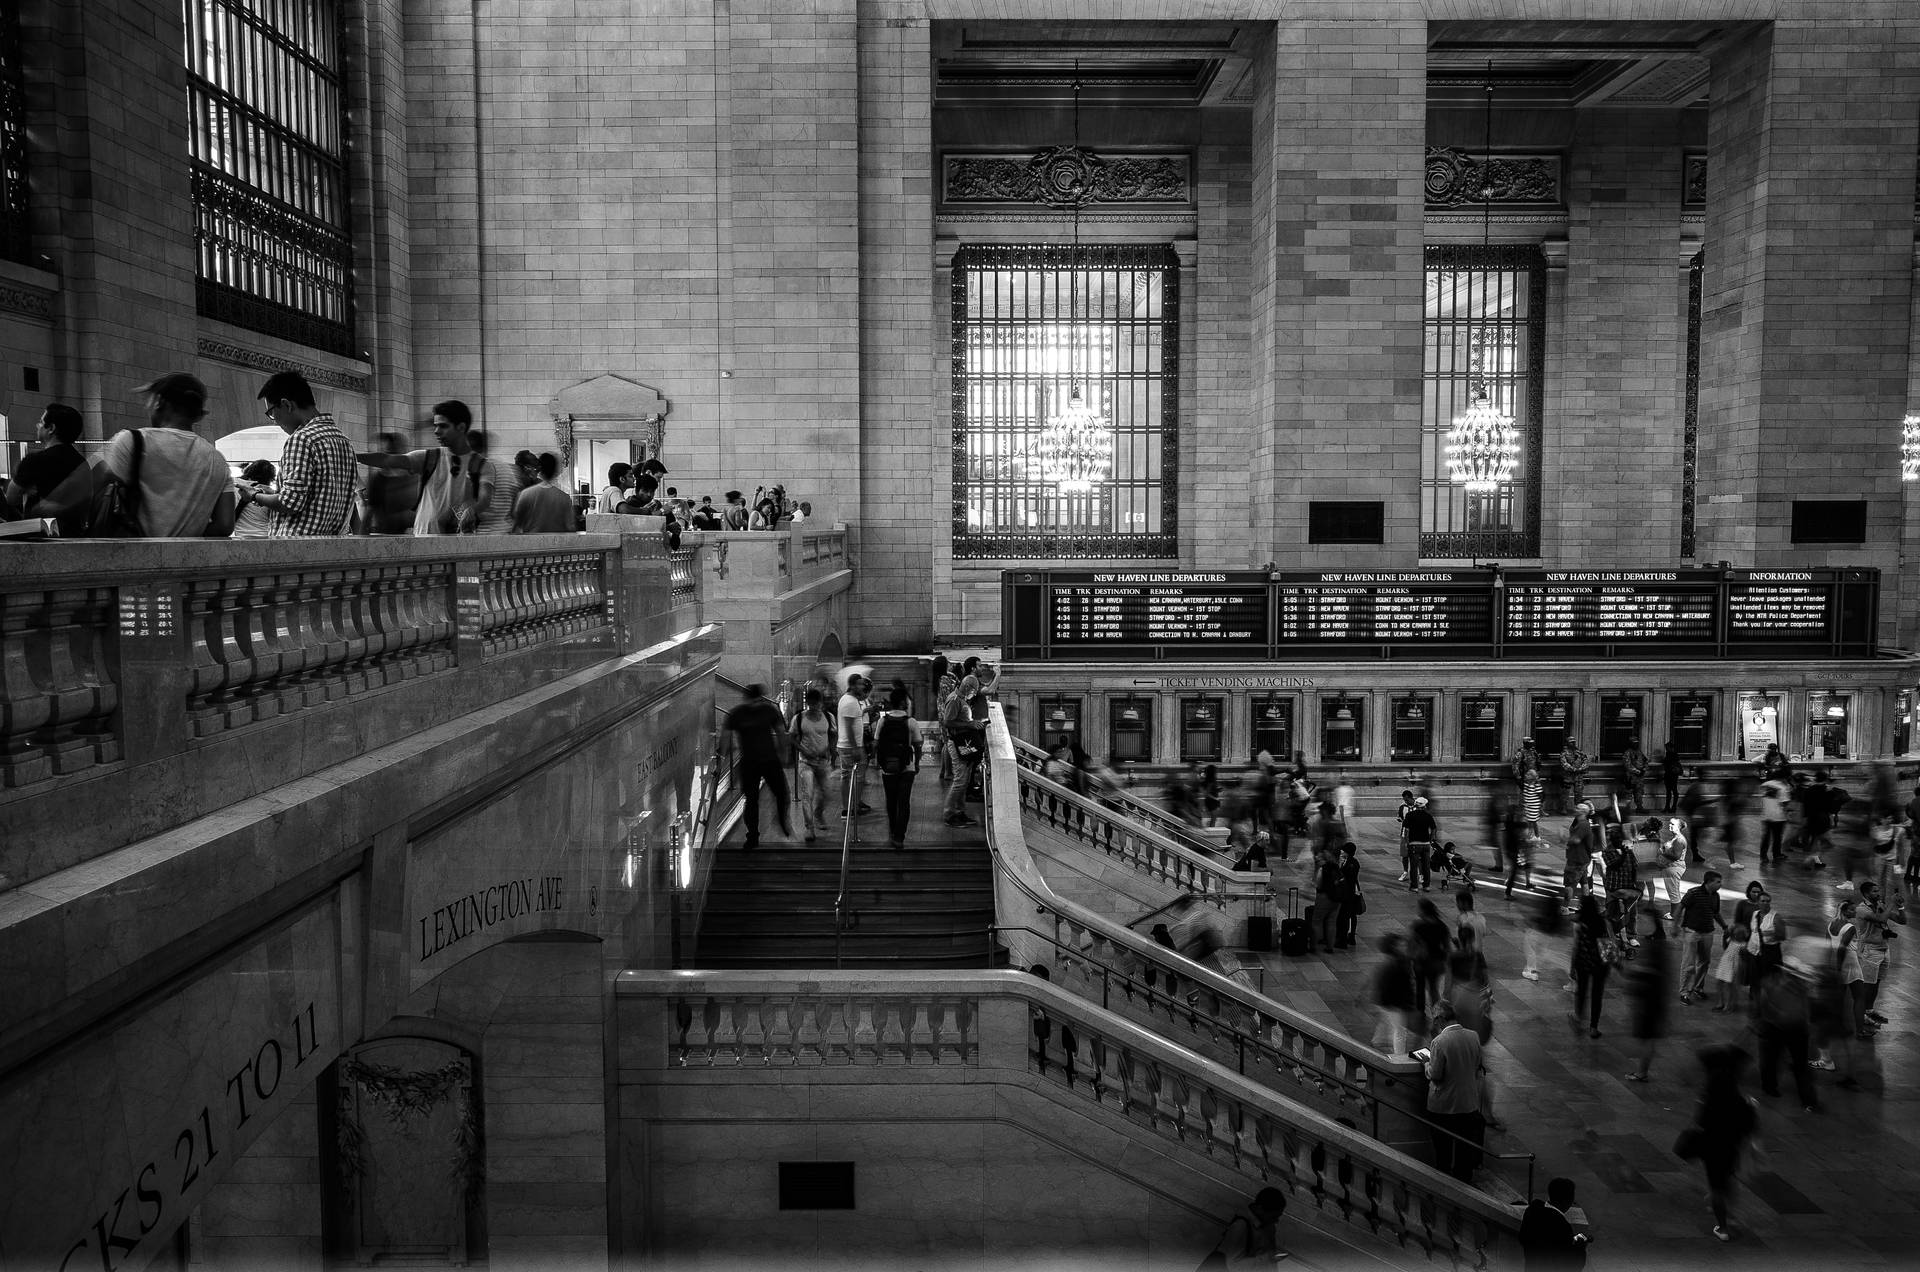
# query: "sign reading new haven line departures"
(1122, 615)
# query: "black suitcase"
(1296, 933)
(1260, 933)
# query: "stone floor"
(1838, 1189)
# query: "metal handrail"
(851, 808)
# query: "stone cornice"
(258, 360)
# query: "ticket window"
(1759, 724)
(1619, 724)
(1412, 729)
(1552, 722)
(1059, 722)
(1130, 730)
(1903, 722)
(1343, 723)
(1273, 728)
(1690, 724)
(1829, 716)
(1481, 721)
(1200, 729)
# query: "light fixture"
(1627, 713)
(1837, 712)
(1203, 714)
(1483, 447)
(1130, 715)
(1275, 711)
(1075, 449)
(1910, 447)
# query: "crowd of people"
(168, 481)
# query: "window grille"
(1019, 346)
(14, 239)
(1485, 332)
(1690, 459)
(266, 96)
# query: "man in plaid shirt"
(316, 467)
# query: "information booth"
(1273, 726)
(1412, 729)
(1619, 723)
(1201, 721)
(1482, 726)
(1690, 725)
(1130, 730)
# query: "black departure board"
(1199, 612)
(1118, 615)
(1668, 607)
(1416, 606)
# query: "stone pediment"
(609, 397)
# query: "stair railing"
(843, 916)
(1306, 1053)
(1144, 812)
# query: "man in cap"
(179, 483)
(1422, 833)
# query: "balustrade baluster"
(324, 600)
(25, 707)
(836, 1038)
(893, 1033)
(698, 1053)
(953, 1045)
(866, 1038)
(919, 1045)
(68, 683)
(780, 1034)
(726, 1036)
(751, 1015)
(99, 667)
(808, 1033)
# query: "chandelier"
(1076, 443)
(1910, 448)
(1483, 447)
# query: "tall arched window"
(13, 138)
(1030, 326)
(266, 95)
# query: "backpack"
(893, 745)
(113, 515)
(449, 516)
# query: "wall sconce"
(1274, 711)
(1130, 714)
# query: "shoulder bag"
(114, 502)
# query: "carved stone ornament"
(31, 301)
(612, 408)
(260, 360)
(1457, 179)
(1693, 190)
(1067, 177)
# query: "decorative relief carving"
(1068, 177)
(1693, 188)
(30, 301)
(257, 360)
(1458, 179)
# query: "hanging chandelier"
(1076, 442)
(1910, 448)
(1483, 446)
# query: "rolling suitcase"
(1296, 932)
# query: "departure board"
(1198, 612)
(1120, 615)
(1668, 607)
(1417, 606)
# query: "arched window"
(266, 96)
(13, 138)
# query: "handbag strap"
(132, 483)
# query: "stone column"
(904, 443)
(1808, 283)
(1339, 129)
(1611, 473)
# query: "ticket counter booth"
(1759, 725)
(1903, 722)
(1201, 727)
(1412, 737)
(1273, 727)
(1059, 721)
(1620, 716)
(1552, 720)
(1829, 726)
(1482, 727)
(1343, 728)
(1690, 725)
(1130, 730)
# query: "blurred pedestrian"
(1394, 996)
(1723, 1121)
(1647, 991)
(1593, 958)
(1785, 1023)
(1430, 942)
(1545, 923)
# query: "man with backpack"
(896, 753)
(176, 484)
(456, 482)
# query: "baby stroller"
(1453, 865)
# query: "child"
(1727, 971)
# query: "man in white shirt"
(184, 488)
(852, 716)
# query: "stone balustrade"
(1098, 958)
(131, 665)
(1139, 811)
(683, 1028)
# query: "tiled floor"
(1839, 1189)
